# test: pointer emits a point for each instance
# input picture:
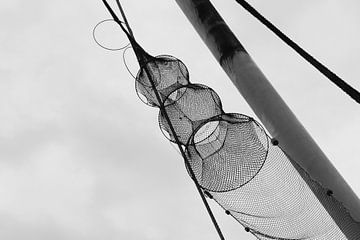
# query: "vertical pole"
(271, 109)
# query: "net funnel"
(167, 73)
(235, 162)
(227, 151)
(187, 108)
(230, 157)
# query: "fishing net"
(227, 152)
(236, 163)
(167, 73)
(187, 108)
(232, 159)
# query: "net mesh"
(235, 162)
(230, 152)
(168, 73)
(229, 156)
(187, 108)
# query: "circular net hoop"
(227, 151)
(187, 108)
(168, 73)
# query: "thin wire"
(352, 92)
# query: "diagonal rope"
(124, 17)
(352, 92)
(163, 111)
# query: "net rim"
(220, 117)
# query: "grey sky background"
(81, 157)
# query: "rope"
(124, 17)
(163, 111)
(352, 92)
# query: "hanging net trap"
(230, 157)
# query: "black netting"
(233, 162)
(233, 152)
(278, 204)
(230, 159)
(340, 214)
(188, 107)
(166, 72)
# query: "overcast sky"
(81, 157)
